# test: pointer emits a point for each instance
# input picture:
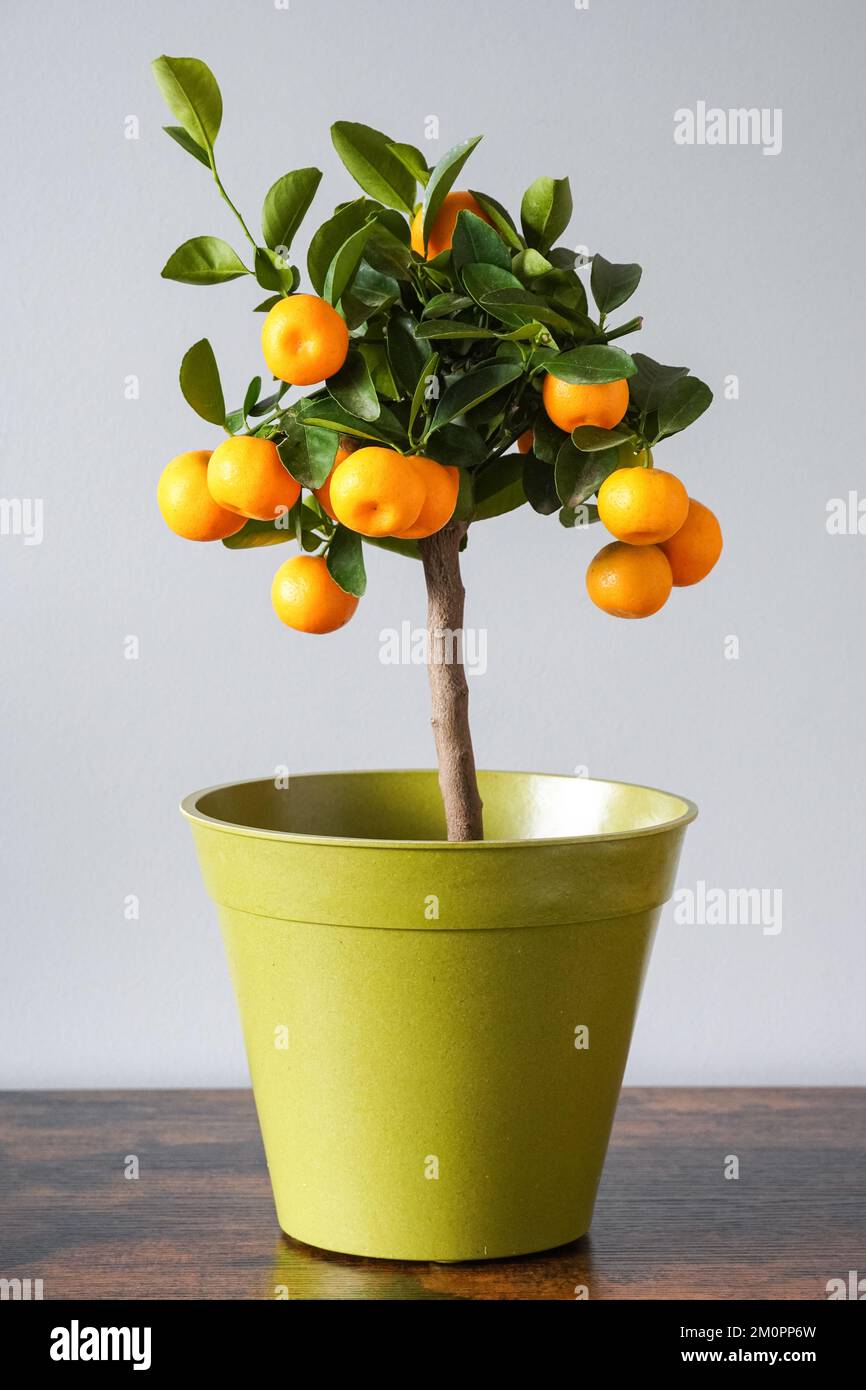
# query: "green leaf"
(578, 475)
(352, 387)
(406, 353)
(330, 415)
(583, 515)
(372, 164)
(448, 328)
(592, 365)
(286, 204)
(547, 440)
(307, 453)
(253, 392)
(407, 548)
(235, 422)
(258, 533)
(388, 249)
(458, 445)
(499, 487)
(413, 160)
(342, 268)
(327, 241)
(204, 260)
(681, 404)
(376, 357)
(267, 404)
(476, 243)
(371, 292)
(192, 94)
(187, 143)
(443, 305)
(419, 395)
(545, 211)
(441, 181)
(200, 383)
(524, 305)
(652, 381)
(482, 280)
(346, 561)
(272, 273)
(473, 388)
(539, 484)
(529, 265)
(612, 284)
(500, 218)
(267, 304)
(591, 439)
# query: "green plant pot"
(436, 1032)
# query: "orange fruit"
(695, 547)
(304, 340)
(642, 505)
(306, 598)
(441, 485)
(245, 476)
(525, 442)
(186, 505)
(377, 492)
(569, 405)
(323, 493)
(444, 223)
(629, 581)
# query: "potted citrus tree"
(437, 973)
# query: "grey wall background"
(753, 266)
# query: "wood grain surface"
(198, 1221)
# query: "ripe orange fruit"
(304, 340)
(245, 476)
(186, 505)
(569, 405)
(442, 231)
(629, 581)
(441, 485)
(377, 492)
(323, 493)
(525, 442)
(695, 547)
(642, 505)
(306, 598)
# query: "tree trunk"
(449, 690)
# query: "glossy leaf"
(446, 304)
(578, 475)
(368, 158)
(346, 261)
(258, 533)
(406, 353)
(592, 365)
(346, 561)
(286, 205)
(192, 94)
(252, 394)
(272, 273)
(539, 484)
(187, 143)
(458, 445)
(652, 380)
(307, 453)
(448, 328)
(442, 179)
(473, 388)
(591, 439)
(371, 293)
(330, 415)
(585, 514)
(413, 160)
(419, 395)
(476, 243)
(545, 211)
(611, 284)
(200, 383)
(681, 404)
(204, 260)
(353, 388)
(501, 219)
(332, 234)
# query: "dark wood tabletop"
(198, 1222)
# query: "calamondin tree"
(453, 370)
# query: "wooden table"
(198, 1221)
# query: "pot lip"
(190, 809)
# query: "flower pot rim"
(190, 809)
